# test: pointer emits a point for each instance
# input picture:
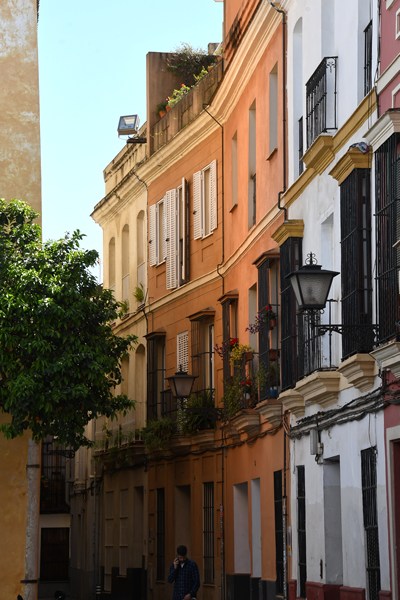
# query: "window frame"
(201, 202)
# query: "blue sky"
(92, 69)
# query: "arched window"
(111, 264)
(125, 263)
(140, 250)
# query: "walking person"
(184, 574)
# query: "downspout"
(222, 506)
(284, 123)
(284, 174)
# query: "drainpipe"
(284, 491)
(283, 13)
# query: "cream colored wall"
(13, 497)
(19, 178)
(20, 175)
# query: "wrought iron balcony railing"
(321, 92)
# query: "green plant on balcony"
(200, 412)
(177, 95)
(186, 60)
(158, 433)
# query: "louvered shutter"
(182, 351)
(213, 196)
(171, 238)
(162, 231)
(197, 208)
(152, 236)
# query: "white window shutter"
(182, 351)
(171, 239)
(152, 236)
(197, 209)
(182, 213)
(162, 244)
(213, 196)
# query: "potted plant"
(177, 95)
(265, 316)
(200, 412)
(161, 108)
(185, 61)
(158, 433)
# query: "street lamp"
(311, 284)
(181, 383)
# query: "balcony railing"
(321, 95)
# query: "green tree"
(59, 357)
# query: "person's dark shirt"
(186, 579)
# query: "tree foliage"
(187, 62)
(59, 357)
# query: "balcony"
(187, 109)
(321, 101)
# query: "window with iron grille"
(160, 535)
(203, 352)
(229, 329)
(267, 345)
(278, 504)
(356, 272)
(368, 479)
(387, 176)
(321, 99)
(155, 374)
(53, 491)
(301, 531)
(368, 58)
(208, 532)
(301, 146)
(290, 260)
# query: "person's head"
(181, 553)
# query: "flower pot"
(162, 113)
(272, 323)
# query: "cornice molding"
(353, 159)
(385, 126)
(288, 229)
(320, 153)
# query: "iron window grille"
(53, 487)
(279, 534)
(301, 146)
(267, 354)
(321, 92)
(155, 375)
(160, 534)
(387, 176)
(368, 58)
(369, 496)
(301, 531)
(290, 260)
(356, 271)
(208, 532)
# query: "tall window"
(208, 532)
(140, 250)
(155, 375)
(203, 351)
(368, 58)
(252, 199)
(301, 531)
(355, 219)
(229, 327)
(157, 234)
(54, 554)
(111, 264)
(291, 253)
(160, 534)
(278, 531)
(388, 235)
(182, 351)
(321, 99)
(125, 263)
(273, 109)
(370, 515)
(53, 492)
(234, 170)
(268, 340)
(205, 201)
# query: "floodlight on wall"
(128, 125)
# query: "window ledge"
(388, 357)
(272, 153)
(359, 370)
(271, 410)
(321, 387)
(292, 401)
(246, 421)
(233, 208)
